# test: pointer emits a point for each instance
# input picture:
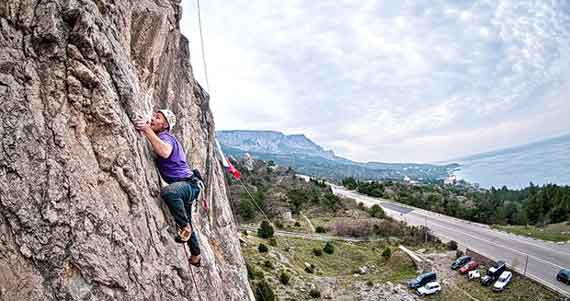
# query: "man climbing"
(182, 189)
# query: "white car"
(475, 274)
(428, 289)
(502, 282)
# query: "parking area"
(456, 286)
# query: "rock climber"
(182, 189)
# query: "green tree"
(387, 253)
(262, 248)
(284, 278)
(329, 248)
(246, 209)
(265, 230)
(263, 291)
(376, 211)
(350, 183)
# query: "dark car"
(459, 262)
(422, 280)
(493, 273)
(563, 276)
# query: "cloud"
(388, 81)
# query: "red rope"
(191, 272)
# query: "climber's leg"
(174, 195)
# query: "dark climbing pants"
(179, 197)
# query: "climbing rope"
(191, 272)
(202, 46)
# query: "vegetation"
(317, 252)
(262, 248)
(314, 293)
(284, 278)
(387, 253)
(554, 232)
(263, 291)
(320, 229)
(265, 230)
(329, 248)
(376, 211)
(268, 264)
(534, 205)
(452, 245)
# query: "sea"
(541, 163)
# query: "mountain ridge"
(315, 160)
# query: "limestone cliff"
(80, 213)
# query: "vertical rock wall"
(80, 213)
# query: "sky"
(390, 81)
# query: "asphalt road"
(545, 259)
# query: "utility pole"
(525, 265)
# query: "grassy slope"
(552, 232)
(347, 258)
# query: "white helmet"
(170, 118)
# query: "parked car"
(563, 276)
(429, 289)
(493, 273)
(503, 281)
(475, 274)
(422, 280)
(459, 262)
(470, 266)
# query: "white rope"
(202, 46)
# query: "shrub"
(284, 278)
(329, 248)
(246, 209)
(268, 264)
(278, 224)
(387, 253)
(265, 230)
(320, 229)
(244, 232)
(355, 228)
(369, 283)
(273, 242)
(314, 293)
(262, 248)
(297, 224)
(452, 245)
(317, 252)
(252, 273)
(263, 292)
(458, 253)
(376, 211)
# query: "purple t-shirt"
(174, 168)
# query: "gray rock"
(80, 213)
(363, 270)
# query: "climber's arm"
(160, 147)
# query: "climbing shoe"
(196, 263)
(183, 235)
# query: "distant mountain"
(272, 142)
(307, 157)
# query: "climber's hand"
(142, 125)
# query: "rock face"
(80, 213)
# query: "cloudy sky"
(392, 81)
